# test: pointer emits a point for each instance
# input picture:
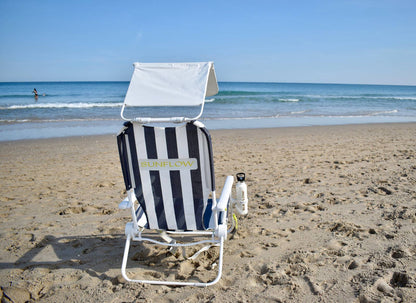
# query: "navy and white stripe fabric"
(171, 171)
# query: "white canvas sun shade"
(171, 84)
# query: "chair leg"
(125, 257)
(220, 261)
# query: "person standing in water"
(36, 93)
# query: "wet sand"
(331, 219)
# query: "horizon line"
(258, 82)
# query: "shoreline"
(331, 218)
(223, 130)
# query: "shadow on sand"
(92, 254)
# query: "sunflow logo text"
(168, 164)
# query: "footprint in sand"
(85, 209)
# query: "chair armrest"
(225, 194)
(125, 204)
(128, 201)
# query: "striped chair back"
(171, 171)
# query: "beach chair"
(168, 169)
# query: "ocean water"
(87, 108)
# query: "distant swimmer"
(35, 92)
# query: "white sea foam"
(62, 105)
(361, 115)
(5, 121)
(289, 100)
(400, 98)
(384, 112)
(361, 97)
(288, 115)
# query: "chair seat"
(208, 217)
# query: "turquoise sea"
(87, 108)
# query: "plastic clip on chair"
(169, 171)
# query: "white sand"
(332, 216)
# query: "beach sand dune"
(332, 218)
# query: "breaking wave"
(63, 105)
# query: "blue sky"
(337, 41)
